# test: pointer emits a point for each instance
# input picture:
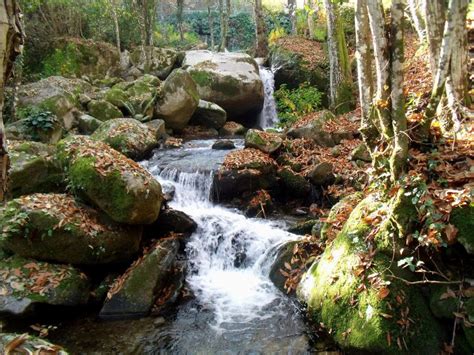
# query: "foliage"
(294, 103)
(63, 61)
(275, 34)
(167, 35)
(38, 120)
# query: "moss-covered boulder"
(303, 227)
(351, 290)
(87, 124)
(264, 141)
(158, 128)
(293, 183)
(33, 169)
(103, 110)
(231, 80)
(134, 293)
(209, 114)
(463, 219)
(55, 227)
(50, 132)
(244, 171)
(28, 344)
(232, 129)
(117, 185)
(178, 100)
(26, 283)
(162, 61)
(54, 94)
(127, 135)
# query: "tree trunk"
(335, 75)
(225, 13)
(417, 20)
(292, 13)
(260, 33)
(11, 43)
(211, 23)
(117, 27)
(312, 8)
(179, 17)
(434, 11)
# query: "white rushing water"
(229, 255)
(268, 117)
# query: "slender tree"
(179, 17)
(416, 17)
(114, 5)
(292, 12)
(261, 36)
(146, 14)
(11, 43)
(224, 10)
(211, 22)
(311, 9)
(335, 75)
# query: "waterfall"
(268, 117)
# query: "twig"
(425, 281)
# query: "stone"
(314, 130)
(141, 282)
(25, 129)
(198, 132)
(158, 128)
(57, 228)
(361, 153)
(128, 136)
(117, 185)
(87, 124)
(162, 61)
(223, 144)
(321, 174)
(103, 110)
(26, 283)
(209, 114)
(171, 220)
(284, 256)
(304, 227)
(178, 101)
(231, 129)
(231, 80)
(294, 184)
(33, 169)
(264, 141)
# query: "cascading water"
(269, 116)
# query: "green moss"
(202, 78)
(228, 86)
(294, 183)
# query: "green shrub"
(38, 121)
(293, 103)
(63, 61)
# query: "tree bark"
(335, 75)
(11, 43)
(211, 23)
(416, 19)
(179, 17)
(260, 33)
(117, 27)
(434, 11)
(292, 13)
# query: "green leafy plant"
(294, 103)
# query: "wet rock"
(264, 141)
(223, 145)
(322, 174)
(171, 220)
(283, 257)
(209, 114)
(158, 128)
(117, 185)
(33, 169)
(231, 80)
(463, 219)
(128, 136)
(294, 184)
(361, 153)
(231, 129)
(304, 227)
(103, 110)
(54, 227)
(246, 170)
(26, 283)
(87, 124)
(28, 344)
(134, 293)
(179, 100)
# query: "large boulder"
(54, 94)
(134, 293)
(353, 292)
(209, 115)
(55, 227)
(26, 283)
(264, 141)
(33, 169)
(231, 80)
(244, 171)
(178, 100)
(171, 220)
(162, 61)
(127, 135)
(87, 124)
(117, 185)
(103, 110)
(232, 129)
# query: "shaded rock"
(179, 100)
(314, 130)
(103, 110)
(87, 124)
(443, 301)
(134, 293)
(321, 174)
(171, 220)
(302, 228)
(33, 169)
(231, 129)
(26, 283)
(29, 344)
(199, 132)
(223, 145)
(25, 129)
(293, 183)
(264, 141)
(246, 170)
(209, 115)
(361, 153)
(117, 185)
(284, 256)
(54, 227)
(158, 128)
(231, 80)
(162, 61)
(128, 136)
(463, 219)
